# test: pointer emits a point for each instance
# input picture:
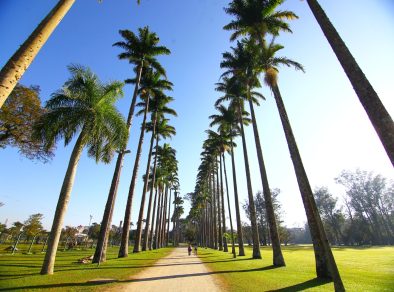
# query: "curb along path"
(175, 272)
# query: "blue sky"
(332, 130)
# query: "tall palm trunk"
(229, 210)
(241, 250)
(124, 244)
(150, 243)
(325, 262)
(160, 226)
(101, 247)
(215, 226)
(252, 208)
(147, 236)
(225, 248)
(144, 191)
(156, 241)
(24, 56)
(169, 219)
(163, 227)
(219, 214)
(278, 259)
(62, 204)
(175, 219)
(377, 113)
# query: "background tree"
(332, 216)
(261, 214)
(17, 117)
(94, 231)
(369, 199)
(33, 225)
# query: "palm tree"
(244, 62)
(151, 85)
(257, 18)
(168, 164)
(164, 130)
(325, 262)
(141, 51)
(228, 121)
(159, 108)
(16, 66)
(377, 113)
(234, 90)
(85, 105)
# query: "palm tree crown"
(85, 104)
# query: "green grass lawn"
(361, 269)
(21, 271)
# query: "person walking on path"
(195, 249)
(189, 249)
(177, 272)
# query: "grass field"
(361, 269)
(20, 272)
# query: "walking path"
(175, 272)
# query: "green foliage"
(256, 18)
(246, 274)
(33, 225)
(369, 202)
(87, 105)
(94, 231)
(262, 221)
(142, 48)
(17, 116)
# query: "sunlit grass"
(362, 269)
(21, 271)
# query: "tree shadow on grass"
(303, 286)
(89, 283)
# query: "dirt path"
(175, 272)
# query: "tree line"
(250, 64)
(84, 109)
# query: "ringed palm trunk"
(169, 219)
(174, 222)
(215, 226)
(150, 243)
(278, 259)
(147, 236)
(62, 204)
(241, 250)
(163, 227)
(219, 214)
(325, 262)
(124, 244)
(225, 248)
(377, 113)
(156, 241)
(252, 208)
(160, 225)
(144, 191)
(24, 56)
(228, 206)
(102, 241)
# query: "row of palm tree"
(86, 106)
(252, 57)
